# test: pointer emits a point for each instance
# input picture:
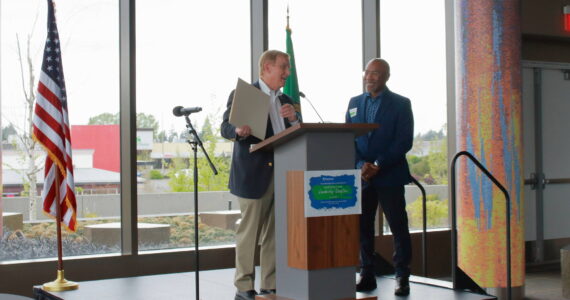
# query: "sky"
(180, 63)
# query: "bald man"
(381, 156)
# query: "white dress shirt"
(277, 121)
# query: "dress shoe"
(402, 286)
(246, 295)
(366, 284)
(267, 291)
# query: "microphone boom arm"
(198, 142)
(314, 109)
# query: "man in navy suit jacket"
(251, 178)
(381, 156)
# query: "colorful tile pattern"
(490, 127)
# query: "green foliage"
(78, 190)
(208, 134)
(143, 121)
(155, 174)
(181, 173)
(161, 136)
(147, 121)
(437, 212)
(104, 119)
(182, 180)
(7, 131)
(25, 188)
(431, 135)
(431, 168)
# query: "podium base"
(277, 297)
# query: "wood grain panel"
(318, 242)
(296, 221)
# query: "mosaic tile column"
(489, 123)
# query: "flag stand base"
(60, 284)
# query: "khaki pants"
(257, 226)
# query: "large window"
(327, 41)
(413, 42)
(189, 53)
(90, 54)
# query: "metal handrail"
(454, 263)
(424, 228)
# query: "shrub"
(155, 174)
(436, 211)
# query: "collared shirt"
(372, 106)
(277, 122)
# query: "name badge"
(352, 112)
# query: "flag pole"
(60, 284)
(287, 28)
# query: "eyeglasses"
(373, 73)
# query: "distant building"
(104, 140)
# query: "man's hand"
(368, 171)
(243, 131)
(288, 111)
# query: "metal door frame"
(539, 181)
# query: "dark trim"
(128, 128)
(545, 38)
(259, 35)
(538, 164)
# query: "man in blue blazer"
(251, 179)
(381, 156)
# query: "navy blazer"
(250, 173)
(387, 145)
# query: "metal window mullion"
(539, 249)
(127, 62)
(370, 30)
(450, 79)
(259, 36)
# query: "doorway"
(546, 139)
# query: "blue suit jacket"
(250, 173)
(388, 144)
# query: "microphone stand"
(194, 141)
(303, 95)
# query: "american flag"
(51, 129)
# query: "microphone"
(180, 111)
(303, 95)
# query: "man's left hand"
(288, 111)
(368, 171)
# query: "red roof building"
(104, 140)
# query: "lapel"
(361, 110)
(384, 106)
(361, 113)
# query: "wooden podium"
(316, 257)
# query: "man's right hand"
(243, 131)
(368, 171)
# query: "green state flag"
(291, 87)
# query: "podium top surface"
(301, 128)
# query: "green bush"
(155, 174)
(437, 212)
